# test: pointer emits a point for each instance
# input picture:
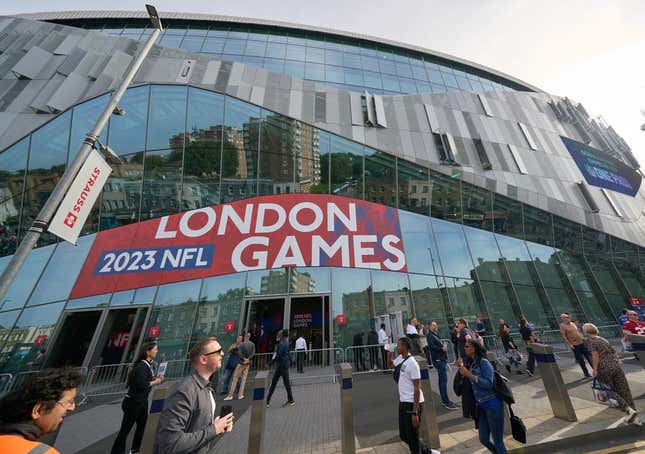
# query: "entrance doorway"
(97, 337)
(308, 315)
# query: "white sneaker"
(228, 398)
(632, 415)
(240, 398)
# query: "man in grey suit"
(188, 423)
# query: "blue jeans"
(491, 425)
(443, 380)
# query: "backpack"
(397, 370)
(502, 390)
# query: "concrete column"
(159, 394)
(553, 382)
(429, 429)
(347, 433)
(258, 410)
(638, 346)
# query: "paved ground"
(313, 425)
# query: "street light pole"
(49, 208)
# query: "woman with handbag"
(490, 409)
(512, 352)
(135, 404)
(606, 368)
(231, 363)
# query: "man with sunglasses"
(35, 409)
(188, 422)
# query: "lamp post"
(49, 208)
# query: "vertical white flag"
(80, 198)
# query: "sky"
(592, 51)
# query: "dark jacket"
(436, 347)
(282, 358)
(186, 422)
(372, 338)
(462, 387)
(139, 386)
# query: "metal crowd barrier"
(106, 380)
(366, 358)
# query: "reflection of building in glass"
(301, 282)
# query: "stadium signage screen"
(601, 170)
(251, 234)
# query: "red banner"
(154, 331)
(259, 233)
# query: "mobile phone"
(226, 409)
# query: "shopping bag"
(601, 391)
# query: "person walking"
(372, 341)
(606, 367)
(412, 333)
(383, 340)
(490, 409)
(573, 338)
(187, 422)
(359, 360)
(301, 351)
(439, 357)
(512, 353)
(135, 403)
(410, 396)
(231, 363)
(35, 409)
(282, 361)
(246, 351)
(529, 337)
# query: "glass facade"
(347, 63)
(470, 253)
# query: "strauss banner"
(251, 234)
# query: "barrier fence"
(5, 382)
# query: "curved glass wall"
(346, 63)
(470, 253)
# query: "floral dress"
(610, 372)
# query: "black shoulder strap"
(510, 410)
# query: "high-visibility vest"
(15, 444)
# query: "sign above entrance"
(252, 234)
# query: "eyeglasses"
(67, 404)
(213, 352)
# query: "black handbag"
(517, 427)
(458, 384)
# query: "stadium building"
(279, 175)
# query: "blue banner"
(601, 170)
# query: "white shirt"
(411, 329)
(382, 337)
(210, 394)
(409, 371)
(301, 343)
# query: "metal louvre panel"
(379, 109)
(611, 201)
(484, 102)
(356, 110)
(369, 108)
(527, 136)
(519, 162)
(588, 197)
(431, 115)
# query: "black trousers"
(284, 373)
(530, 363)
(300, 360)
(581, 353)
(408, 434)
(133, 412)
